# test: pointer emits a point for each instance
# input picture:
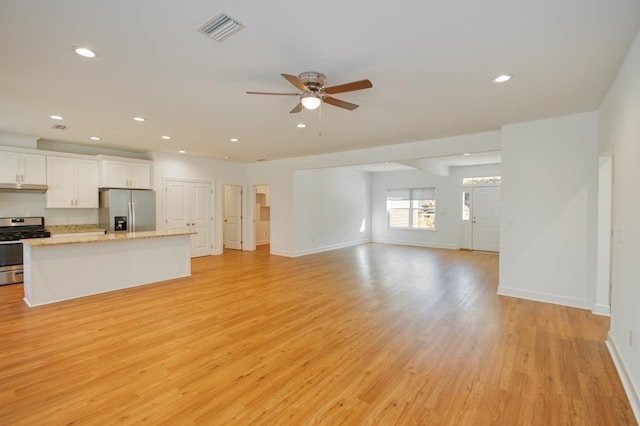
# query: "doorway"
(232, 213)
(262, 214)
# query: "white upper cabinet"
(18, 167)
(125, 174)
(73, 182)
(263, 195)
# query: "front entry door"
(233, 217)
(485, 205)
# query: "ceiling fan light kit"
(314, 92)
(311, 101)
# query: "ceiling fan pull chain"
(320, 121)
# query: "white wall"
(548, 216)
(331, 209)
(620, 134)
(21, 141)
(476, 171)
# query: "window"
(481, 180)
(466, 202)
(412, 208)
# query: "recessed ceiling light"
(301, 125)
(166, 138)
(467, 153)
(234, 139)
(87, 53)
(502, 78)
(94, 138)
(139, 119)
(56, 117)
(182, 151)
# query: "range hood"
(23, 187)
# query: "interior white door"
(233, 217)
(176, 207)
(201, 219)
(485, 206)
(188, 208)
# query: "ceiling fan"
(314, 93)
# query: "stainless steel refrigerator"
(127, 210)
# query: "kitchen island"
(63, 268)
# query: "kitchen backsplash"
(23, 204)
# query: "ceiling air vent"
(221, 27)
(58, 126)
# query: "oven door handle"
(10, 242)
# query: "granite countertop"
(85, 239)
(73, 229)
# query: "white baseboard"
(544, 297)
(627, 383)
(600, 309)
(415, 244)
(329, 248)
(281, 253)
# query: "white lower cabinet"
(73, 183)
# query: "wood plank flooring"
(373, 334)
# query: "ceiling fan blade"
(339, 103)
(295, 81)
(349, 87)
(271, 93)
(297, 108)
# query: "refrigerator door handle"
(129, 217)
(133, 215)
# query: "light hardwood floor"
(373, 334)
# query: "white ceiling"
(431, 64)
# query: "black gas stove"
(20, 228)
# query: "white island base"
(61, 269)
